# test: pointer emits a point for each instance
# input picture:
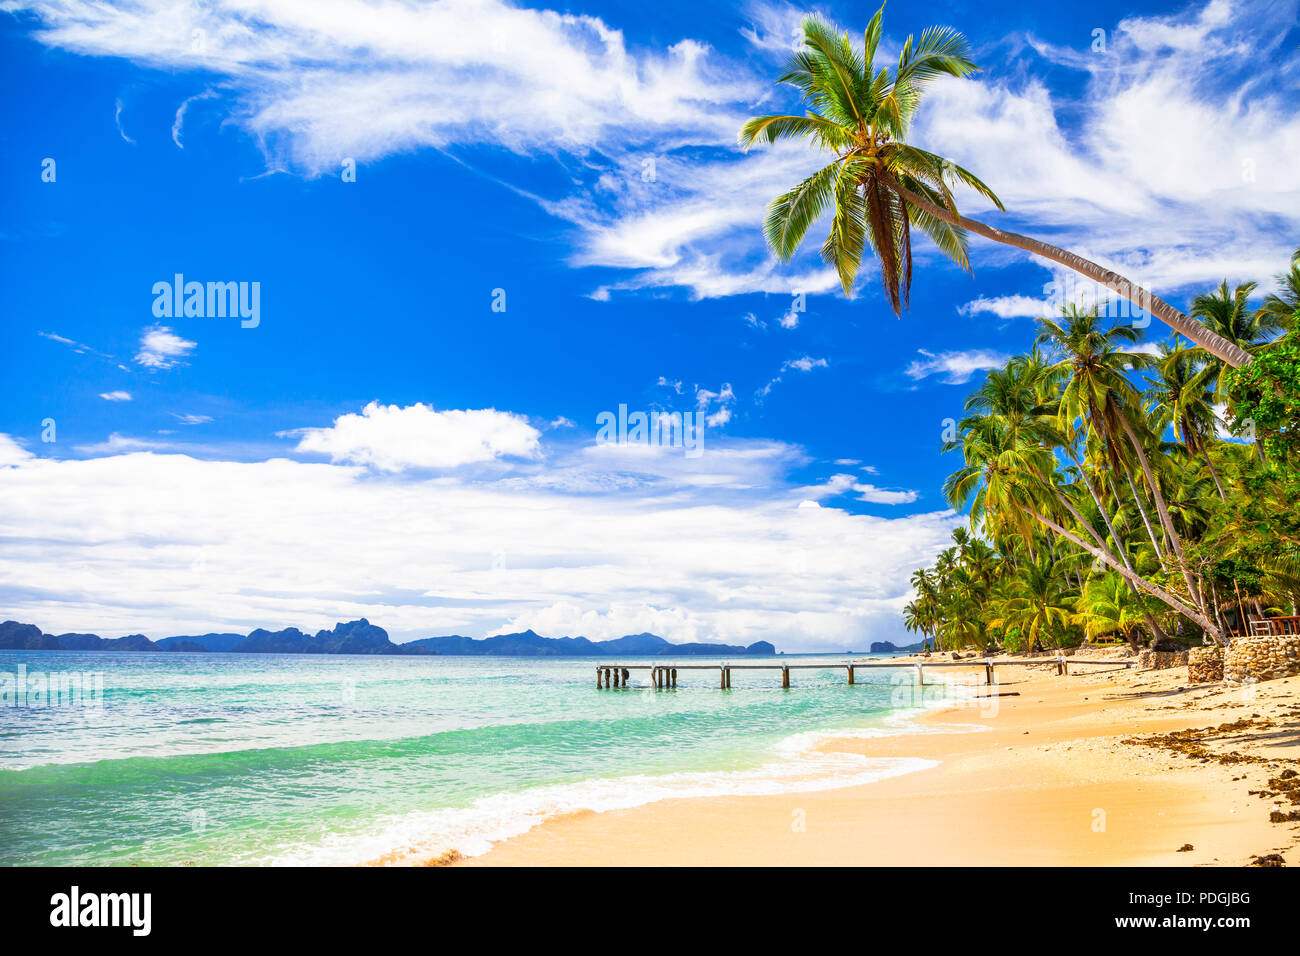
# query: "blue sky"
(385, 443)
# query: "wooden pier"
(664, 676)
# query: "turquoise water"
(261, 759)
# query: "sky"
(474, 227)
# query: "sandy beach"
(1122, 767)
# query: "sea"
(118, 758)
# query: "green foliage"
(1103, 498)
(1265, 399)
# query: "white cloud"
(115, 396)
(705, 399)
(1174, 161)
(955, 367)
(805, 364)
(12, 453)
(160, 347)
(1008, 307)
(392, 438)
(191, 419)
(117, 120)
(842, 484)
(675, 384)
(368, 78)
(168, 543)
(1174, 127)
(883, 496)
(117, 444)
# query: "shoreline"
(1093, 769)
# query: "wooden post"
(607, 678)
(722, 677)
(785, 677)
(920, 675)
(850, 675)
(1065, 666)
(674, 676)
(597, 678)
(728, 678)
(626, 675)
(988, 672)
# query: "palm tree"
(879, 186)
(1181, 397)
(1035, 604)
(1109, 606)
(1010, 483)
(1099, 395)
(1282, 308)
(1229, 315)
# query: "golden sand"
(1088, 769)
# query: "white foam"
(798, 767)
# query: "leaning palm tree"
(878, 187)
(1229, 315)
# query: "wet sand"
(1077, 770)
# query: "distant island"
(888, 647)
(362, 637)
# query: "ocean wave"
(798, 766)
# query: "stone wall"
(1261, 658)
(1158, 660)
(1205, 664)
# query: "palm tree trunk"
(1207, 339)
(1157, 632)
(1192, 614)
(1105, 515)
(1162, 510)
(1214, 474)
(1145, 520)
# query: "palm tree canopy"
(862, 115)
(879, 187)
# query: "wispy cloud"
(843, 484)
(117, 120)
(115, 396)
(956, 368)
(804, 363)
(669, 199)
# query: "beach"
(1090, 769)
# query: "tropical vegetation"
(1117, 489)
(1108, 496)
